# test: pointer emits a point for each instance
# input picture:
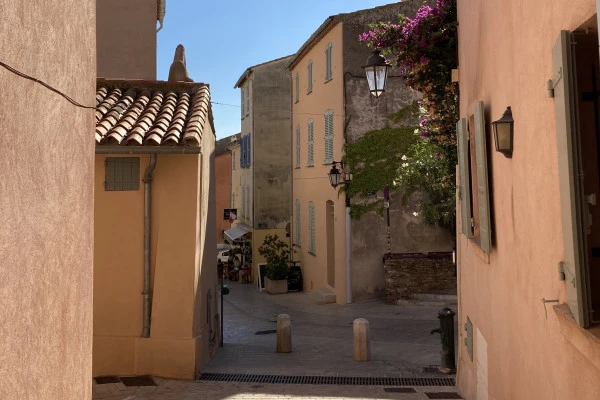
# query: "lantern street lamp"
(340, 176)
(377, 71)
(503, 132)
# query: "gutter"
(147, 225)
(100, 149)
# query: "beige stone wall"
(312, 183)
(506, 59)
(182, 262)
(126, 40)
(46, 200)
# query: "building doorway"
(330, 219)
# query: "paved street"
(401, 347)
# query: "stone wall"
(411, 273)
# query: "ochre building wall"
(46, 200)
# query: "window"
(248, 99)
(298, 217)
(472, 157)
(122, 173)
(233, 161)
(297, 87)
(242, 152)
(242, 101)
(328, 137)
(309, 78)
(328, 74)
(310, 144)
(298, 146)
(311, 228)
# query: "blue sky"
(223, 38)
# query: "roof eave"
(325, 27)
(100, 149)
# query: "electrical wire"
(44, 84)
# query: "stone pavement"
(401, 346)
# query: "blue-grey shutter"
(328, 62)
(328, 137)
(297, 87)
(298, 146)
(311, 149)
(570, 179)
(309, 77)
(243, 155)
(483, 196)
(311, 225)
(298, 241)
(249, 149)
(464, 191)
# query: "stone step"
(325, 296)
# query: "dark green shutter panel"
(297, 86)
(483, 196)
(464, 191)
(569, 173)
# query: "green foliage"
(277, 254)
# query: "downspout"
(147, 225)
(348, 254)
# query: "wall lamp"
(339, 176)
(503, 133)
(376, 70)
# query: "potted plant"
(276, 252)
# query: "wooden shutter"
(311, 149)
(311, 224)
(328, 62)
(298, 146)
(309, 77)
(464, 191)
(328, 137)
(249, 150)
(297, 87)
(570, 177)
(298, 242)
(485, 232)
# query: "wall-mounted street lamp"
(503, 133)
(340, 176)
(377, 70)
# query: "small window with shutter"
(309, 77)
(328, 137)
(297, 87)
(122, 173)
(310, 144)
(328, 73)
(298, 146)
(311, 229)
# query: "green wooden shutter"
(311, 149)
(298, 242)
(483, 196)
(570, 178)
(309, 77)
(298, 146)
(328, 137)
(464, 191)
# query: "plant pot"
(276, 287)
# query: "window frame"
(328, 137)
(310, 159)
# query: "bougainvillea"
(423, 50)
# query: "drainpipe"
(147, 224)
(348, 256)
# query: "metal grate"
(143, 380)
(399, 390)
(327, 380)
(102, 380)
(443, 395)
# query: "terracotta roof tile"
(151, 113)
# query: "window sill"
(307, 93)
(328, 80)
(586, 341)
(312, 254)
(310, 166)
(297, 167)
(297, 101)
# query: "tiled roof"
(151, 113)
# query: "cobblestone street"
(401, 346)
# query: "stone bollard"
(284, 334)
(362, 344)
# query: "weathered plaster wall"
(183, 243)
(236, 179)
(271, 99)
(312, 183)
(126, 39)
(506, 59)
(247, 173)
(223, 192)
(46, 200)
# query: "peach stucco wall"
(46, 200)
(127, 38)
(312, 183)
(505, 59)
(223, 191)
(178, 342)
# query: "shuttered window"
(297, 87)
(248, 99)
(243, 152)
(248, 150)
(233, 160)
(328, 137)
(298, 146)
(298, 219)
(310, 144)
(483, 200)
(311, 228)
(309, 89)
(464, 193)
(242, 100)
(328, 74)
(569, 175)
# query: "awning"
(236, 232)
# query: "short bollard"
(284, 334)
(362, 344)
(446, 331)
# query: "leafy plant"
(276, 252)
